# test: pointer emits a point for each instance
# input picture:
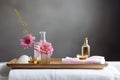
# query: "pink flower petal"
(27, 41)
(48, 47)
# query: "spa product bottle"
(85, 48)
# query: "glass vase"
(42, 58)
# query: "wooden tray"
(55, 64)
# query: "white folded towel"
(90, 60)
(4, 69)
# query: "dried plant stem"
(20, 18)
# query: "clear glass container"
(37, 55)
(43, 58)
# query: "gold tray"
(55, 63)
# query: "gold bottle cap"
(85, 40)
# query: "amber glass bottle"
(85, 48)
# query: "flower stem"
(20, 18)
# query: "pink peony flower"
(44, 47)
(27, 41)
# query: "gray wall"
(66, 22)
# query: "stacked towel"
(4, 71)
(90, 60)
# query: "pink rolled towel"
(90, 60)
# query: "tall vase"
(42, 58)
(45, 58)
